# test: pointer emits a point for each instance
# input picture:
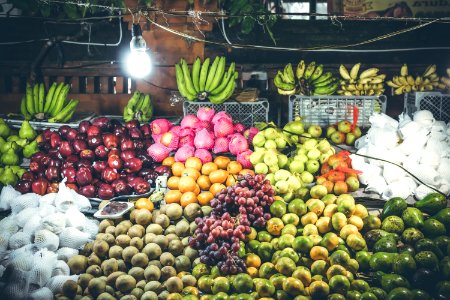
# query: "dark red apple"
(37, 156)
(126, 144)
(87, 191)
(114, 162)
(110, 174)
(115, 123)
(121, 187)
(83, 176)
(69, 173)
(63, 130)
(163, 171)
(53, 188)
(54, 153)
(147, 161)
(105, 191)
(35, 167)
(120, 132)
(110, 140)
(127, 154)
(23, 186)
(65, 149)
(81, 136)
(93, 131)
(46, 135)
(79, 145)
(71, 134)
(138, 144)
(84, 163)
(72, 186)
(146, 130)
(55, 162)
(94, 141)
(101, 152)
(52, 173)
(84, 126)
(140, 185)
(148, 174)
(147, 143)
(99, 166)
(135, 133)
(55, 140)
(87, 154)
(114, 152)
(28, 176)
(39, 186)
(45, 146)
(102, 122)
(133, 165)
(132, 124)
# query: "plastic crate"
(328, 110)
(436, 102)
(246, 113)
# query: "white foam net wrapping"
(18, 287)
(44, 262)
(45, 210)
(91, 227)
(73, 238)
(19, 239)
(48, 199)
(60, 268)
(46, 239)
(24, 201)
(65, 253)
(55, 222)
(8, 193)
(9, 225)
(74, 218)
(22, 217)
(33, 224)
(64, 199)
(4, 240)
(43, 293)
(56, 283)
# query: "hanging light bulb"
(138, 62)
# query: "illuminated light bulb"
(138, 62)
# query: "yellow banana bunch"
(446, 81)
(205, 81)
(406, 83)
(366, 83)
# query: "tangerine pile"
(194, 182)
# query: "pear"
(8, 177)
(30, 149)
(10, 158)
(4, 129)
(26, 131)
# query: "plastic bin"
(246, 113)
(328, 110)
(436, 102)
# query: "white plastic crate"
(436, 102)
(246, 113)
(328, 110)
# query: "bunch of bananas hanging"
(53, 105)
(307, 80)
(366, 83)
(446, 80)
(139, 107)
(205, 81)
(406, 83)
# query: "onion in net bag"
(48, 199)
(22, 217)
(45, 210)
(8, 193)
(73, 238)
(43, 293)
(74, 218)
(56, 283)
(24, 201)
(60, 268)
(33, 224)
(55, 223)
(19, 239)
(91, 227)
(46, 239)
(65, 253)
(44, 262)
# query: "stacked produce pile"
(344, 133)
(420, 145)
(406, 83)
(199, 135)
(38, 239)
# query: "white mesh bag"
(91, 227)
(22, 217)
(64, 199)
(19, 239)
(33, 224)
(45, 210)
(54, 223)
(81, 201)
(24, 201)
(65, 253)
(2, 271)
(46, 239)
(24, 263)
(73, 238)
(17, 284)
(48, 199)
(8, 193)
(43, 293)
(44, 262)
(60, 268)
(9, 225)
(56, 283)
(4, 240)
(74, 218)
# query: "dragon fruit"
(189, 121)
(238, 144)
(221, 115)
(160, 126)
(204, 140)
(186, 140)
(250, 133)
(158, 152)
(223, 128)
(220, 145)
(170, 140)
(184, 153)
(244, 159)
(204, 155)
(239, 128)
(205, 114)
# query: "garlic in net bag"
(46, 239)
(56, 283)
(33, 224)
(91, 227)
(48, 199)
(45, 210)
(22, 217)
(64, 198)
(74, 218)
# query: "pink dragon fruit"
(238, 144)
(176, 130)
(158, 152)
(189, 121)
(223, 128)
(250, 133)
(204, 155)
(170, 140)
(184, 153)
(220, 145)
(205, 114)
(239, 128)
(244, 159)
(221, 115)
(204, 140)
(156, 138)
(160, 126)
(186, 140)
(187, 131)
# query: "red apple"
(28, 176)
(126, 144)
(83, 176)
(114, 162)
(79, 145)
(72, 186)
(135, 133)
(120, 132)
(139, 185)
(146, 130)
(133, 165)
(94, 141)
(63, 130)
(110, 174)
(46, 135)
(87, 154)
(110, 140)
(55, 162)
(101, 152)
(65, 149)
(69, 173)
(105, 191)
(55, 140)
(99, 166)
(102, 122)
(121, 187)
(23, 186)
(53, 188)
(93, 131)
(138, 144)
(132, 124)
(127, 154)
(39, 186)
(81, 136)
(87, 191)
(35, 167)
(84, 126)
(71, 134)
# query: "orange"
(253, 260)
(186, 184)
(231, 180)
(193, 162)
(172, 183)
(247, 171)
(144, 203)
(222, 162)
(234, 167)
(203, 182)
(173, 196)
(253, 272)
(191, 172)
(168, 161)
(188, 198)
(218, 176)
(177, 168)
(204, 198)
(208, 168)
(216, 187)
(197, 189)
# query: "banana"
(41, 97)
(376, 80)
(381, 76)
(139, 104)
(442, 86)
(301, 69)
(348, 94)
(430, 70)
(187, 77)
(145, 105)
(36, 98)
(225, 79)
(397, 81)
(410, 80)
(288, 73)
(279, 83)
(351, 87)
(49, 97)
(204, 74)
(344, 72)
(418, 80)
(283, 92)
(60, 101)
(404, 70)
(64, 112)
(324, 83)
(29, 96)
(55, 96)
(221, 97)
(369, 73)
(403, 80)
(317, 73)
(323, 78)
(211, 73)
(219, 74)
(433, 77)
(448, 72)
(181, 83)
(310, 70)
(408, 89)
(354, 71)
(23, 108)
(196, 74)
(326, 90)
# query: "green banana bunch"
(446, 80)
(307, 80)
(206, 81)
(366, 83)
(53, 105)
(406, 83)
(139, 107)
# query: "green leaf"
(247, 25)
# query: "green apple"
(273, 168)
(271, 178)
(353, 183)
(350, 139)
(301, 157)
(281, 142)
(282, 187)
(307, 177)
(324, 145)
(304, 137)
(259, 140)
(282, 160)
(261, 168)
(357, 132)
(257, 157)
(310, 144)
(296, 166)
(294, 183)
(330, 131)
(270, 144)
(315, 130)
(282, 175)
(312, 166)
(270, 159)
(338, 137)
(302, 150)
(270, 133)
(302, 193)
(344, 126)
(318, 191)
(314, 154)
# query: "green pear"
(259, 140)
(8, 177)
(281, 142)
(270, 159)
(30, 149)
(270, 133)
(261, 168)
(2, 142)
(282, 160)
(282, 175)
(26, 131)
(270, 144)
(9, 145)
(10, 158)
(5, 131)
(257, 157)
